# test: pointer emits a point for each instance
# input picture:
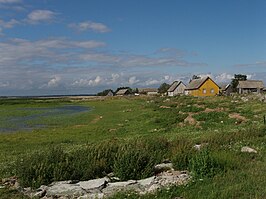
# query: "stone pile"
(108, 186)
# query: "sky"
(61, 47)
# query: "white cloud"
(87, 82)
(90, 26)
(133, 80)
(101, 58)
(37, 16)
(4, 84)
(115, 77)
(10, 1)
(8, 24)
(52, 83)
(152, 82)
(256, 64)
(60, 50)
(224, 77)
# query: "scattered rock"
(247, 149)
(189, 119)
(95, 185)
(103, 188)
(244, 99)
(130, 185)
(163, 167)
(165, 107)
(238, 117)
(199, 146)
(64, 188)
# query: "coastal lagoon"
(31, 118)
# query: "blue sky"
(79, 46)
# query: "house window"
(204, 91)
(212, 90)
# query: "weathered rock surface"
(247, 149)
(163, 167)
(103, 188)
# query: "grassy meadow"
(129, 135)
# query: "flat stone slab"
(94, 184)
(65, 190)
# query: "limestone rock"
(247, 149)
(94, 185)
(163, 167)
(65, 189)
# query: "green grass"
(129, 135)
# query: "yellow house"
(202, 87)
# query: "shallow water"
(20, 123)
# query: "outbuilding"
(250, 86)
(176, 88)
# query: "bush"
(42, 167)
(203, 164)
(137, 159)
(182, 152)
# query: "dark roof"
(196, 83)
(250, 84)
(225, 87)
(174, 85)
(122, 92)
(146, 90)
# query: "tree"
(195, 77)
(237, 78)
(105, 92)
(163, 88)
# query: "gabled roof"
(122, 91)
(250, 84)
(146, 90)
(225, 87)
(174, 85)
(196, 83)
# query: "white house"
(176, 88)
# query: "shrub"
(42, 167)
(181, 153)
(136, 160)
(203, 164)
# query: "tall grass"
(127, 159)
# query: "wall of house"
(208, 86)
(248, 90)
(171, 94)
(179, 90)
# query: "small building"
(110, 93)
(148, 91)
(122, 92)
(226, 89)
(202, 87)
(250, 86)
(176, 88)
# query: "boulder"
(92, 196)
(65, 189)
(95, 185)
(247, 149)
(112, 188)
(163, 167)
